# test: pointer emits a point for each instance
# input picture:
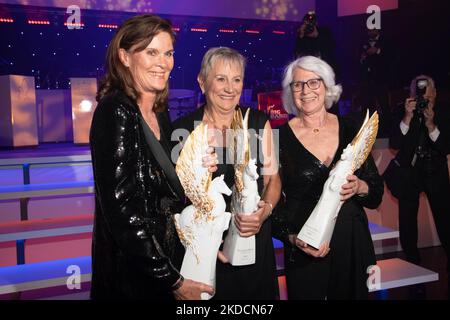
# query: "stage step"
(49, 227)
(393, 273)
(47, 189)
(399, 273)
(30, 158)
(42, 275)
(382, 233)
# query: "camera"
(421, 88)
(310, 21)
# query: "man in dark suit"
(422, 135)
(375, 71)
(312, 40)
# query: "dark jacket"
(407, 144)
(322, 47)
(135, 250)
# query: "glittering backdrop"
(289, 10)
(52, 53)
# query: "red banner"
(272, 105)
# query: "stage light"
(40, 22)
(278, 32)
(108, 26)
(199, 30)
(86, 106)
(252, 31)
(75, 25)
(83, 91)
(6, 20)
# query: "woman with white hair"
(310, 145)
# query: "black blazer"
(136, 250)
(407, 144)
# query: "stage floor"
(45, 150)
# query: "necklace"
(213, 122)
(315, 129)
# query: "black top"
(257, 281)
(136, 250)
(303, 177)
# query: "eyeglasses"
(298, 86)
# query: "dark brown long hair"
(138, 30)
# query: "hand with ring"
(353, 186)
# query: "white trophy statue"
(200, 226)
(238, 250)
(319, 227)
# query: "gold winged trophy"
(319, 227)
(200, 226)
(238, 250)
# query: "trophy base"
(238, 250)
(205, 296)
(315, 236)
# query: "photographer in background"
(375, 77)
(421, 135)
(312, 40)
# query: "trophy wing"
(364, 140)
(194, 178)
(240, 147)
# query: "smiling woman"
(221, 80)
(310, 146)
(136, 250)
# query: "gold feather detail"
(189, 160)
(367, 135)
(241, 150)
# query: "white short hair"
(412, 87)
(322, 69)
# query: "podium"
(18, 120)
(272, 104)
(83, 91)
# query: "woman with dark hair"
(136, 251)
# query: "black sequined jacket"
(136, 251)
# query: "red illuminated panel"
(272, 105)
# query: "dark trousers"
(432, 179)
